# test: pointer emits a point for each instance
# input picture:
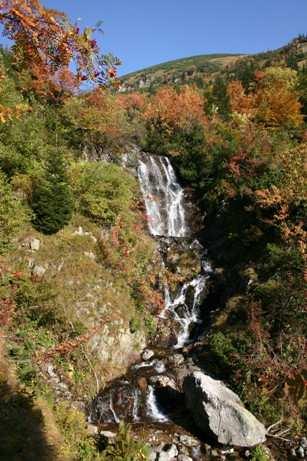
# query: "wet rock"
(168, 453)
(142, 383)
(114, 403)
(218, 409)
(196, 453)
(176, 360)
(184, 458)
(108, 434)
(164, 381)
(147, 354)
(159, 366)
(188, 441)
(304, 442)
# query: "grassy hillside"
(178, 71)
(195, 69)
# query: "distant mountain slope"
(196, 69)
(179, 71)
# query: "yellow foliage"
(240, 102)
(276, 100)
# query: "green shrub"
(77, 444)
(51, 198)
(222, 347)
(12, 214)
(126, 448)
(258, 454)
(20, 153)
(102, 191)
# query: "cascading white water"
(165, 206)
(164, 201)
(112, 410)
(153, 410)
(163, 196)
(135, 416)
(188, 315)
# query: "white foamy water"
(163, 196)
(116, 419)
(135, 410)
(189, 315)
(153, 410)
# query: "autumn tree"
(172, 118)
(11, 105)
(98, 117)
(239, 101)
(46, 44)
(132, 102)
(176, 109)
(276, 99)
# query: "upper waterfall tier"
(163, 196)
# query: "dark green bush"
(51, 198)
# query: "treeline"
(241, 144)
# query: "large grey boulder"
(216, 408)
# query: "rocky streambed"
(170, 402)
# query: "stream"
(148, 393)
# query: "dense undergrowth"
(91, 277)
(239, 142)
(244, 155)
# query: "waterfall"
(164, 202)
(141, 397)
(189, 314)
(153, 409)
(163, 197)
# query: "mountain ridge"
(199, 68)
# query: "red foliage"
(46, 44)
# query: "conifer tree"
(51, 199)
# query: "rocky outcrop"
(217, 409)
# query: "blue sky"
(144, 32)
